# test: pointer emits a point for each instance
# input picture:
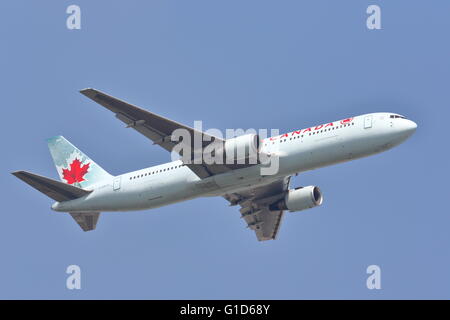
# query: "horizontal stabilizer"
(86, 220)
(56, 190)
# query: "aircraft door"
(116, 183)
(367, 122)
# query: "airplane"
(86, 189)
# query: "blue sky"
(232, 64)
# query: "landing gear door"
(367, 122)
(116, 183)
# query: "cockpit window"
(395, 116)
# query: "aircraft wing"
(158, 129)
(255, 210)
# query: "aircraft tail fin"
(73, 166)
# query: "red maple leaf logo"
(76, 172)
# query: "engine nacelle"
(242, 148)
(300, 199)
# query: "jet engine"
(241, 149)
(299, 199)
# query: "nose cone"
(409, 127)
(404, 128)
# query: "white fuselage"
(297, 151)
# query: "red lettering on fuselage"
(348, 120)
(345, 121)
